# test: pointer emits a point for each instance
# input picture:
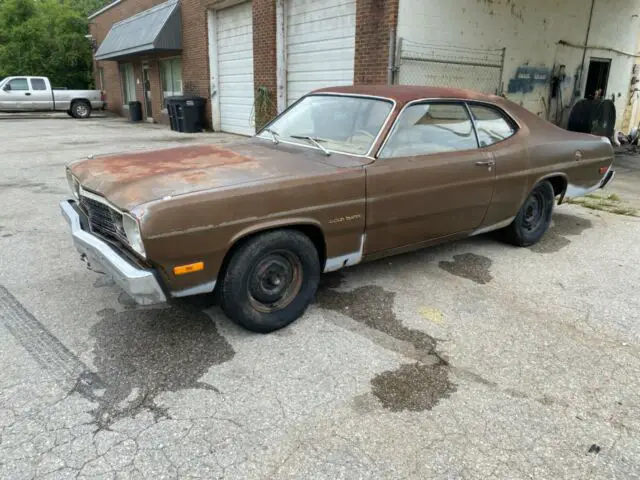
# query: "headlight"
(132, 229)
(74, 185)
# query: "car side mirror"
(7, 88)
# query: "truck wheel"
(534, 217)
(69, 113)
(270, 280)
(80, 109)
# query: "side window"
(431, 128)
(18, 84)
(492, 126)
(38, 84)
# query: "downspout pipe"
(586, 44)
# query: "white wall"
(530, 30)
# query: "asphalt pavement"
(470, 360)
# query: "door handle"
(486, 163)
(28, 93)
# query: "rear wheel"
(270, 280)
(534, 217)
(80, 109)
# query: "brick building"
(251, 59)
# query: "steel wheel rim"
(275, 281)
(81, 110)
(533, 211)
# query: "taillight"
(603, 170)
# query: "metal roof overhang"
(155, 30)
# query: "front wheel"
(270, 280)
(534, 217)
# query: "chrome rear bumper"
(608, 177)
(141, 284)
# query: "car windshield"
(331, 123)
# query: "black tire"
(69, 113)
(80, 109)
(270, 280)
(534, 217)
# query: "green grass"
(611, 203)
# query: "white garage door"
(234, 35)
(320, 45)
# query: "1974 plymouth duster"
(342, 176)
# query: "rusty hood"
(131, 179)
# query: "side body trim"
(336, 263)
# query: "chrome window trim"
(445, 100)
(506, 117)
(418, 101)
(367, 155)
(473, 123)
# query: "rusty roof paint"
(406, 93)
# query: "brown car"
(342, 176)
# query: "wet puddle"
(143, 352)
(414, 387)
(563, 226)
(476, 268)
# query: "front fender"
(266, 225)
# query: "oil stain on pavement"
(563, 226)
(476, 268)
(412, 387)
(142, 353)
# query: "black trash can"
(171, 110)
(187, 113)
(193, 114)
(135, 111)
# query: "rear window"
(492, 125)
(38, 84)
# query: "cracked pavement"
(469, 360)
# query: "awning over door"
(158, 29)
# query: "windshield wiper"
(274, 135)
(314, 141)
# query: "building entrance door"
(146, 86)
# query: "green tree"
(45, 37)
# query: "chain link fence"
(449, 66)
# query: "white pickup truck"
(34, 94)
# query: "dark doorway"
(597, 78)
(146, 88)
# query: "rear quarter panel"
(555, 152)
(204, 226)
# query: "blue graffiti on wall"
(527, 78)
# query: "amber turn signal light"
(190, 268)
(603, 170)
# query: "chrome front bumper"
(141, 284)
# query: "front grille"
(103, 219)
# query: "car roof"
(407, 93)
